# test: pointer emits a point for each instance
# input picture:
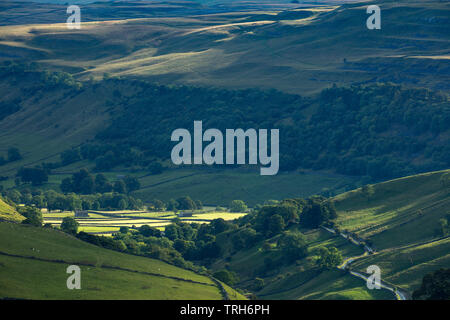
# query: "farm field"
(109, 222)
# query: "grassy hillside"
(397, 212)
(401, 217)
(299, 280)
(266, 47)
(243, 184)
(33, 264)
(8, 213)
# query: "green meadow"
(33, 264)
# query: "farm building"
(185, 214)
(81, 214)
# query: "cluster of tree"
(238, 206)
(36, 175)
(374, 130)
(33, 216)
(435, 286)
(69, 225)
(189, 241)
(328, 257)
(182, 203)
(273, 219)
(109, 155)
(13, 153)
(53, 200)
(83, 182)
(47, 79)
(226, 276)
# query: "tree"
(172, 205)
(37, 176)
(293, 246)
(87, 185)
(238, 206)
(132, 183)
(328, 258)
(102, 184)
(33, 216)
(122, 204)
(228, 277)
(367, 191)
(148, 231)
(82, 181)
(316, 212)
(69, 225)
(198, 204)
(276, 225)
(158, 204)
(14, 154)
(66, 185)
(124, 229)
(120, 187)
(70, 156)
(186, 203)
(155, 168)
(435, 286)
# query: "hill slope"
(8, 213)
(266, 49)
(33, 264)
(402, 219)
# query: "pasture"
(109, 222)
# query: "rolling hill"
(401, 218)
(289, 50)
(33, 264)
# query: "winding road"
(367, 250)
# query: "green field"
(101, 222)
(219, 187)
(33, 264)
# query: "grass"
(301, 279)
(29, 279)
(401, 217)
(329, 285)
(399, 212)
(406, 266)
(9, 213)
(38, 270)
(98, 223)
(234, 184)
(290, 54)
